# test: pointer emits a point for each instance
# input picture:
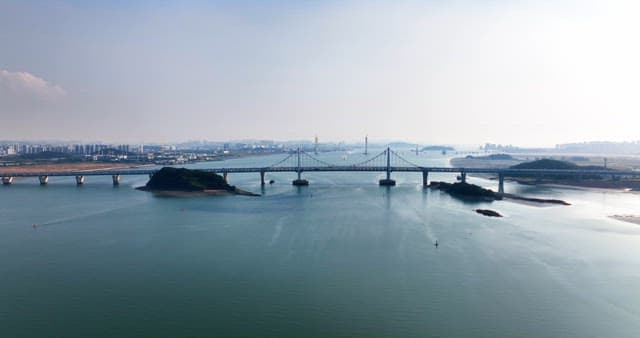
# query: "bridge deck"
(506, 172)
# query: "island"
(475, 192)
(466, 190)
(488, 212)
(170, 181)
(589, 180)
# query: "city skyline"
(525, 73)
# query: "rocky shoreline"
(472, 191)
(206, 192)
(488, 212)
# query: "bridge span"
(299, 162)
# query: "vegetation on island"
(472, 191)
(186, 180)
(464, 189)
(547, 163)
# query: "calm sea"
(342, 257)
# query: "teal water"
(342, 257)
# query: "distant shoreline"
(618, 185)
(635, 219)
(64, 167)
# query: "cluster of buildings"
(81, 149)
(12, 153)
(15, 153)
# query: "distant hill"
(557, 165)
(492, 157)
(438, 148)
(547, 163)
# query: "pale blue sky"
(521, 72)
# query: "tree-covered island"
(181, 181)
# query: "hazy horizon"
(526, 73)
(351, 142)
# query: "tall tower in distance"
(366, 144)
(315, 149)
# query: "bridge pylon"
(299, 181)
(388, 181)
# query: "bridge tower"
(315, 148)
(299, 181)
(388, 181)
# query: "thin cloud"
(27, 84)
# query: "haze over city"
(532, 73)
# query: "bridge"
(299, 162)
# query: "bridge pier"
(224, 176)
(463, 177)
(116, 179)
(79, 180)
(388, 182)
(425, 178)
(501, 183)
(43, 180)
(262, 177)
(7, 180)
(299, 182)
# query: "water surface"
(342, 257)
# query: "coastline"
(206, 192)
(534, 200)
(619, 185)
(634, 219)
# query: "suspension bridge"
(299, 162)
